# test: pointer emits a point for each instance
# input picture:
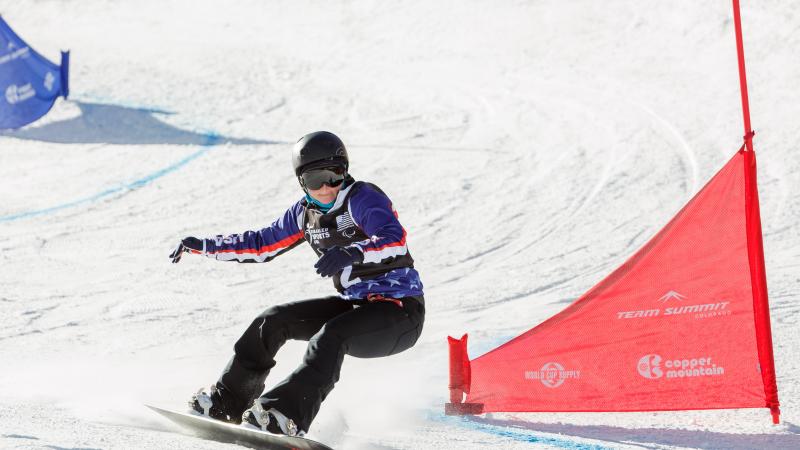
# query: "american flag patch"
(344, 222)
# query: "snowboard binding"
(209, 403)
(270, 420)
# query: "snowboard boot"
(210, 403)
(270, 420)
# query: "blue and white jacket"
(362, 217)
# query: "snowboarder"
(353, 228)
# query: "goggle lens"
(315, 178)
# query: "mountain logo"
(649, 366)
(671, 295)
(654, 367)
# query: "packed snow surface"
(530, 147)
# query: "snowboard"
(235, 434)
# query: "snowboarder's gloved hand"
(188, 244)
(337, 258)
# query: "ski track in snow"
(517, 433)
(211, 140)
(530, 148)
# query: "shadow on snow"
(657, 436)
(100, 123)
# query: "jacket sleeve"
(259, 246)
(372, 211)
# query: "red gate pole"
(748, 132)
(755, 245)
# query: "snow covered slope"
(529, 146)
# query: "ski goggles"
(315, 178)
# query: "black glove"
(337, 258)
(188, 244)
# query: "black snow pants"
(333, 327)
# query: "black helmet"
(318, 149)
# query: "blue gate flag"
(29, 83)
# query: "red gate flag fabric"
(683, 324)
